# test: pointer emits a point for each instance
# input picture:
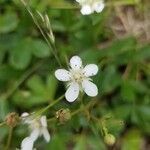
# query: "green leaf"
(120, 46)
(57, 142)
(4, 132)
(40, 48)
(80, 143)
(144, 112)
(51, 86)
(2, 54)
(27, 99)
(96, 143)
(122, 111)
(91, 56)
(20, 55)
(132, 141)
(109, 79)
(36, 84)
(88, 142)
(7, 72)
(8, 22)
(4, 108)
(128, 91)
(46, 90)
(141, 117)
(39, 92)
(142, 53)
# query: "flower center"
(77, 76)
(36, 124)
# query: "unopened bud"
(109, 139)
(12, 119)
(63, 115)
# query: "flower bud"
(12, 119)
(109, 139)
(63, 115)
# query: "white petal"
(81, 1)
(43, 121)
(35, 134)
(86, 10)
(89, 88)
(90, 70)
(25, 118)
(75, 62)
(62, 75)
(25, 114)
(72, 92)
(99, 6)
(27, 144)
(46, 134)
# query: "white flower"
(78, 78)
(38, 127)
(89, 6)
(27, 144)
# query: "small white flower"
(27, 144)
(78, 78)
(38, 127)
(89, 6)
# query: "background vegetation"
(118, 40)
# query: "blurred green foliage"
(27, 81)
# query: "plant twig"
(51, 46)
(1, 124)
(90, 104)
(9, 138)
(52, 104)
(49, 106)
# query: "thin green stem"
(101, 122)
(90, 104)
(2, 124)
(53, 103)
(51, 46)
(49, 106)
(51, 119)
(9, 138)
(76, 111)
